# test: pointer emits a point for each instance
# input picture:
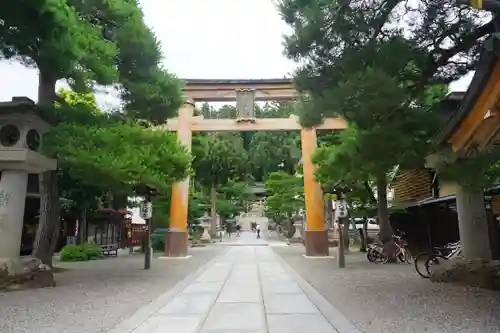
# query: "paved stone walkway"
(248, 289)
(248, 238)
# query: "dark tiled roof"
(17, 104)
(237, 81)
(488, 59)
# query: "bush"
(72, 252)
(93, 251)
(158, 241)
(83, 252)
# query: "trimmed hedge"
(83, 252)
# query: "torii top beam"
(201, 90)
(244, 92)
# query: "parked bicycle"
(376, 253)
(438, 255)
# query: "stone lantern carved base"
(205, 237)
(297, 236)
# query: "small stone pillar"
(297, 236)
(205, 223)
(21, 131)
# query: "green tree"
(121, 153)
(86, 43)
(274, 151)
(233, 198)
(386, 99)
(285, 198)
(219, 158)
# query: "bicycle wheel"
(370, 255)
(408, 257)
(434, 260)
(420, 264)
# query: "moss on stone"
(476, 272)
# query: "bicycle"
(447, 252)
(376, 252)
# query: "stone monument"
(298, 224)
(21, 134)
(205, 223)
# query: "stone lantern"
(205, 223)
(21, 133)
(298, 223)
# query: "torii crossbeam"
(245, 93)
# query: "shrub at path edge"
(83, 252)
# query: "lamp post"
(147, 213)
(339, 207)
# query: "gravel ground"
(394, 299)
(95, 296)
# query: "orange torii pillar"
(176, 239)
(315, 234)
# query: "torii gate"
(245, 92)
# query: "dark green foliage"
(83, 252)
(285, 196)
(219, 158)
(158, 241)
(382, 66)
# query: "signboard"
(332, 196)
(146, 210)
(341, 209)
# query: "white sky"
(216, 39)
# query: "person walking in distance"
(238, 230)
(258, 231)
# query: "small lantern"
(205, 223)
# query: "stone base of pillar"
(316, 243)
(176, 244)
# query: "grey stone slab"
(164, 324)
(214, 275)
(278, 278)
(289, 304)
(187, 304)
(235, 294)
(281, 287)
(203, 287)
(234, 317)
(299, 323)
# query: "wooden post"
(315, 235)
(176, 239)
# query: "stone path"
(247, 290)
(248, 238)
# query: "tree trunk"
(213, 211)
(386, 231)
(472, 223)
(49, 223)
(47, 233)
(82, 225)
